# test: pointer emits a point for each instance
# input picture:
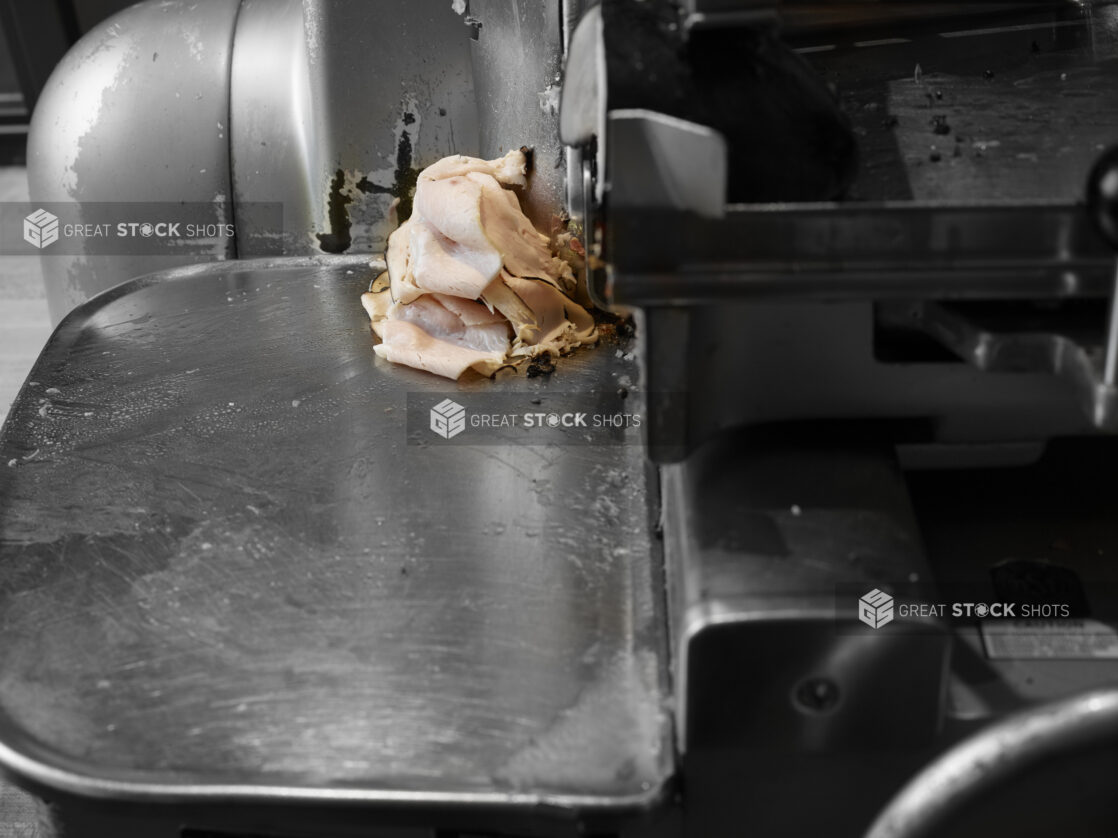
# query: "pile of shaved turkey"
(471, 284)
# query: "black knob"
(1102, 195)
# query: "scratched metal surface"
(224, 572)
(1015, 106)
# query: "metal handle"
(996, 756)
(1102, 201)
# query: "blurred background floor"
(24, 329)
(24, 321)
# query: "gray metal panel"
(225, 572)
(660, 162)
(518, 62)
(138, 110)
(771, 362)
(340, 100)
(782, 695)
(762, 539)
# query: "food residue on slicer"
(471, 284)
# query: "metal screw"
(817, 695)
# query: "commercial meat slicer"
(855, 573)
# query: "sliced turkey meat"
(406, 343)
(510, 170)
(468, 270)
(542, 318)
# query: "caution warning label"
(1049, 639)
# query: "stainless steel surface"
(828, 349)
(998, 755)
(518, 63)
(707, 14)
(272, 112)
(659, 162)
(582, 112)
(762, 541)
(138, 111)
(727, 6)
(1086, 367)
(1110, 368)
(335, 105)
(768, 546)
(227, 574)
(582, 117)
(859, 251)
(328, 107)
(786, 292)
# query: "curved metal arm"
(995, 756)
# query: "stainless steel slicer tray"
(226, 575)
